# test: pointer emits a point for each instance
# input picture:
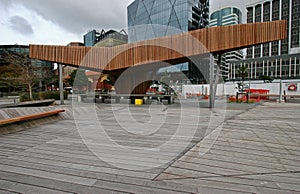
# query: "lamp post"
(61, 85)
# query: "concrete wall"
(229, 88)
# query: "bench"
(16, 99)
(30, 117)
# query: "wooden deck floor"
(256, 151)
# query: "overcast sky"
(64, 21)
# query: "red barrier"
(256, 94)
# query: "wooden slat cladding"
(169, 48)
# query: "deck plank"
(256, 151)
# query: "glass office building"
(91, 38)
(225, 17)
(148, 19)
(165, 17)
(104, 38)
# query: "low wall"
(230, 88)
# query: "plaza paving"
(233, 149)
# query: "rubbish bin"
(138, 101)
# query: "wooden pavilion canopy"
(172, 49)
(167, 49)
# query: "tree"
(20, 70)
(7, 75)
(243, 72)
(49, 77)
(78, 79)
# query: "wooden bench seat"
(30, 117)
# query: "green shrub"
(25, 97)
(52, 95)
(43, 96)
(251, 101)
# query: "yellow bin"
(138, 101)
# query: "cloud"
(62, 20)
(20, 25)
(5, 4)
(79, 16)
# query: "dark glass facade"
(90, 38)
(94, 37)
(226, 16)
(148, 19)
(165, 17)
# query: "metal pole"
(61, 85)
(280, 92)
(217, 75)
(211, 82)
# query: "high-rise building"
(112, 38)
(91, 38)
(264, 11)
(278, 59)
(105, 39)
(148, 19)
(173, 17)
(224, 17)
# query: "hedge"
(43, 96)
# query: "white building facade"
(278, 59)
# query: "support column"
(263, 68)
(61, 85)
(214, 81)
(255, 69)
(295, 67)
(280, 68)
(280, 91)
(268, 67)
(251, 68)
(211, 82)
(290, 68)
(276, 68)
(280, 16)
(234, 71)
(271, 19)
(290, 26)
